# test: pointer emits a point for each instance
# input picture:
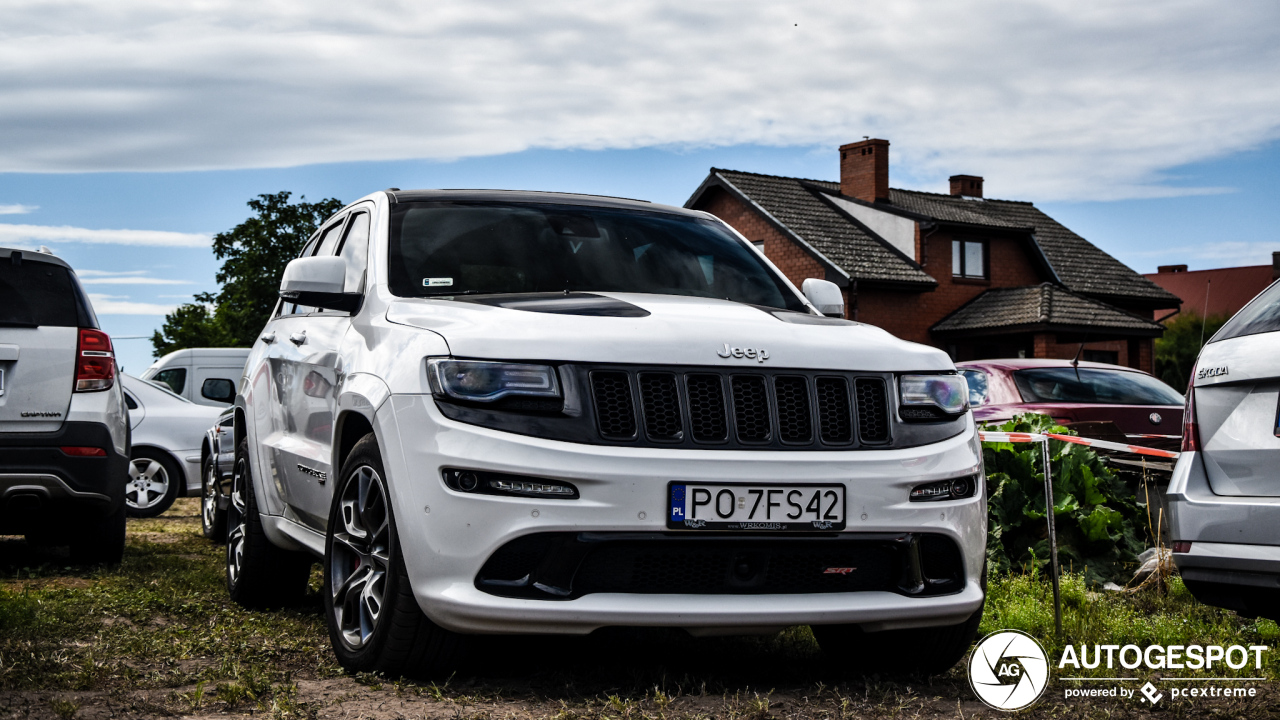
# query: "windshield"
(1259, 316)
(467, 248)
(35, 294)
(1108, 387)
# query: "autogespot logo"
(1008, 670)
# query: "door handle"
(268, 338)
(298, 338)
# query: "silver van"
(207, 376)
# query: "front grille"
(615, 411)
(661, 405)
(553, 566)
(750, 408)
(794, 423)
(758, 409)
(873, 410)
(834, 416)
(706, 408)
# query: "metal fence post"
(1053, 537)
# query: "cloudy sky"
(130, 132)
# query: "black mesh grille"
(563, 566)
(615, 411)
(751, 408)
(706, 408)
(731, 568)
(873, 411)
(794, 423)
(834, 419)
(661, 405)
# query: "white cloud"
(18, 209)
(1048, 100)
(121, 305)
(99, 277)
(47, 233)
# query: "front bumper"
(41, 486)
(447, 536)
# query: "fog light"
(954, 489)
(491, 483)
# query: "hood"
(636, 328)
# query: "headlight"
(480, 381)
(921, 394)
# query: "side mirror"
(318, 282)
(825, 296)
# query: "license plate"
(748, 506)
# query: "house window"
(969, 258)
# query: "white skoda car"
(1224, 497)
(505, 412)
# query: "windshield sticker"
(437, 282)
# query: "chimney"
(967, 185)
(1275, 265)
(864, 170)
(1162, 269)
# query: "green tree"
(189, 325)
(253, 254)
(1176, 352)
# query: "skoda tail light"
(95, 361)
(1190, 430)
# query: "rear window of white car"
(35, 294)
(1090, 386)
(1262, 315)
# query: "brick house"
(979, 278)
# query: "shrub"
(1101, 523)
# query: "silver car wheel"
(209, 501)
(148, 483)
(360, 557)
(236, 534)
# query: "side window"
(288, 308)
(175, 378)
(355, 251)
(977, 381)
(218, 390)
(325, 246)
(329, 240)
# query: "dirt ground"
(157, 638)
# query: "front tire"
(375, 624)
(154, 480)
(259, 574)
(213, 519)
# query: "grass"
(158, 637)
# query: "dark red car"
(1095, 393)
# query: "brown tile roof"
(800, 209)
(1081, 266)
(1045, 307)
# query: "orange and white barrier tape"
(1016, 437)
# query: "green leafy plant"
(1100, 521)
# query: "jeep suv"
(507, 412)
(64, 430)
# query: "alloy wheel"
(240, 517)
(209, 501)
(148, 483)
(360, 557)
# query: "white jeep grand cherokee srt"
(508, 412)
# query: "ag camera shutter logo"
(1008, 670)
